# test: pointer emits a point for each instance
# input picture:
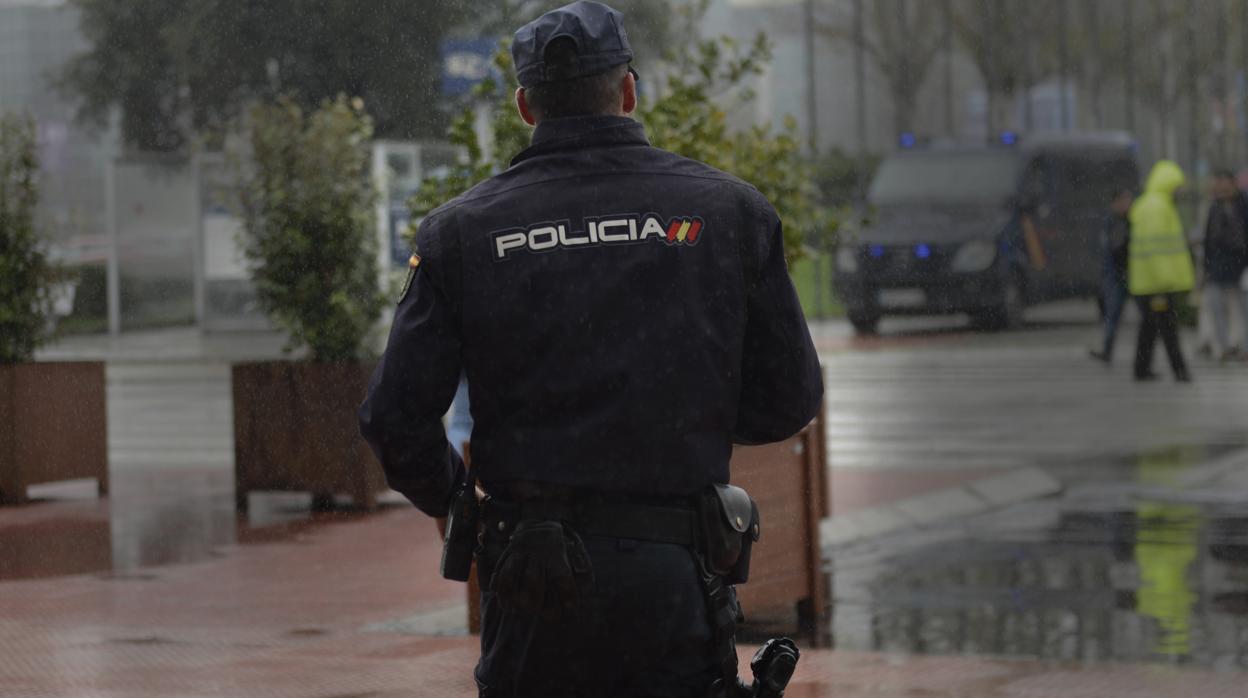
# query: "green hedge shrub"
(26, 275)
(689, 117)
(309, 234)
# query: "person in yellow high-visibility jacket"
(1159, 268)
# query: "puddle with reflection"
(1152, 581)
(152, 518)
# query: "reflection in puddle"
(152, 518)
(1155, 581)
(1164, 555)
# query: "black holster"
(730, 526)
(462, 527)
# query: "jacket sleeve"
(781, 380)
(414, 383)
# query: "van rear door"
(1085, 183)
(1037, 229)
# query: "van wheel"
(1009, 311)
(865, 324)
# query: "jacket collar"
(579, 132)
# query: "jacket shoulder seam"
(725, 178)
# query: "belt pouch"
(730, 526)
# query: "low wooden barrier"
(53, 425)
(787, 591)
(295, 428)
(54, 548)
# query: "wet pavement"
(312, 614)
(1155, 581)
(1127, 576)
(154, 517)
(1141, 557)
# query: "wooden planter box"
(788, 589)
(55, 548)
(295, 428)
(53, 425)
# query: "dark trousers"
(1152, 322)
(643, 632)
(1115, 290)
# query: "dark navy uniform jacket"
(623, 315)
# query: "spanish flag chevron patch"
(413, 263)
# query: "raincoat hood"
(1166, 178)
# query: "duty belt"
(607, 519)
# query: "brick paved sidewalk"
(305, 615)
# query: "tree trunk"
(990, 87)
(1164, 93)
(904, 101)
(947, 42)
(1098, 64)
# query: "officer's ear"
(629, 86)
(522, 104)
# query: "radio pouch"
(730, 527)
(462, 524)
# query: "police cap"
(596, 30)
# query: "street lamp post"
(948, 50)
(1129, 64)
(1098, 57)
(860, 91)
(1193, 93)
(1063, 59)
(812, 107)
(812, 135)
(989, 73)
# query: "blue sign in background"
(466, 62)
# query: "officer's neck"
(570, 126)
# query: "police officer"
(624, 316)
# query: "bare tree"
(1098, 41)
(1170, 66)
(898, 37)
(1014, 43)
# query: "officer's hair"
(592, 95)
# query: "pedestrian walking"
(1115, 238)
(624, 316)
(1204, 319)
(1225, 259)
(1159, 268)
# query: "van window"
(1036, 188)
(1092, 182)
(952, 177)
